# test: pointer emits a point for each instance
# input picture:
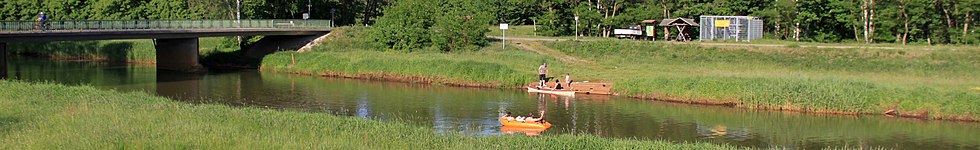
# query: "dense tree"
(868, 21)
(443, 24)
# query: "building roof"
(678, 22)
(649, 21)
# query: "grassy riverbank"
(915, 82)
(934, 83)
(49, 116)
(134, 51)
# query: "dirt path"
(538, 47)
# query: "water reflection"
(475, 111)
(177, 85)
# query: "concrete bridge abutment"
(178, 54)
(275, 43)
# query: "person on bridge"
(542, 74)
(41, 22)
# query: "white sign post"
(503, 31)
(576, 28)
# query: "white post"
(238, 11)
(238, 20)
(503, 39)
(535, 22)
(576, 28)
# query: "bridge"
(176, 41)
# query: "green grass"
(938, 81)
(468, 68)
(849, 80)
(350, 55)
(50, 116)
(139, 51)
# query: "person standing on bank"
(542, 74)
(568, 81)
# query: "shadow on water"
(475, 111)
(113, 52)
(231, 60)
(179, 85)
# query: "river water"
(474, 110)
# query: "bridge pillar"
(3, 60)
(275, 43)
(179, 54)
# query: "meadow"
(51, 116)
(938, 82)
(912, 81)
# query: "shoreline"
(388, 77)
(91, 118)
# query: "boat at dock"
(549, 91)
(585, 87)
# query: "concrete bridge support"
(275, 43)
(180, 54)
(3, 60)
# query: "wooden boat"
(586, 87)
(531, 125)
(548, 91)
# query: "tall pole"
(309, 7)
(238, 10)
(576, 28)
(503, 32)
(238, 20)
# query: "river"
(474, 111)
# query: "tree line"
(867, 21)
(343, 12)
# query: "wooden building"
(681, 24)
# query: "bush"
(444, 24)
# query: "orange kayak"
(533, 125)
(525, 131)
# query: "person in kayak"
(532, 119)
(508, 117)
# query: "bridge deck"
(78, 35)
(75, 30)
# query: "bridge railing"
(89, 25)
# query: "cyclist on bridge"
(42, 22)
